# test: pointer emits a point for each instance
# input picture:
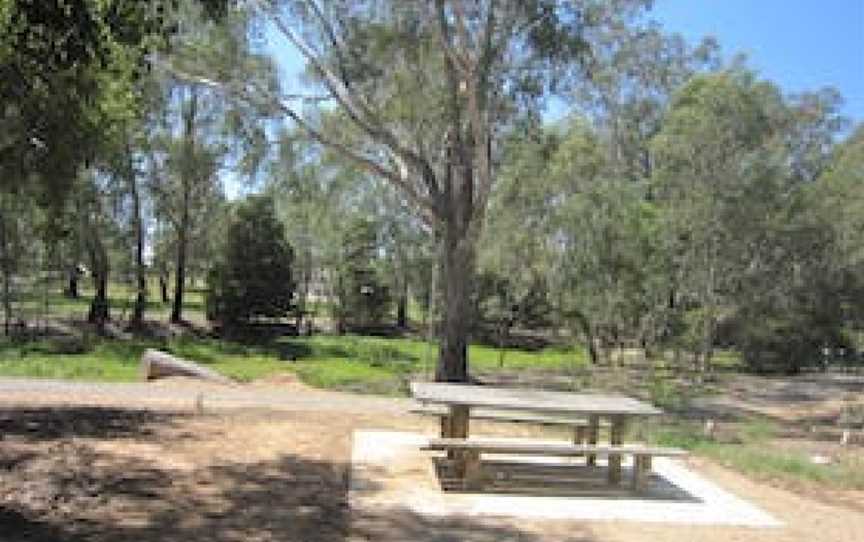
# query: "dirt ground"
(86, 469)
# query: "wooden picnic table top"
(530, 400)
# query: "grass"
(377, 365)
(755, 453)
(358, 363)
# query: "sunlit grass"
(351, 362)
(755, 452)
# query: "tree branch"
(399, 179)
(356, 110)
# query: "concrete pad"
(390, 470)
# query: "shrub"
(252, 274)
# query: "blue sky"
(799, 44)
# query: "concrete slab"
(390, 470)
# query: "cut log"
(158, 364)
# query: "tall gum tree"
(427, 90)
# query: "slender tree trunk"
(72, 288)
(503, 337)
(402, 304)
(99, 310)
(180, 272)
(187, 173)
(303, 290)
(138, 226)
(163, 286)
(6, 268)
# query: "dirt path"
(185, 394)
(786, 398)
(111, 463)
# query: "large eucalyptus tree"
(428, 89)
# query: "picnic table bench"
(456, 404)
(473, 476)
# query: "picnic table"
(459, 400)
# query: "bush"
(363, 298)
(252, 274)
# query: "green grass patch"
(343, 374)
(770, 463)
(755, 453)
(352, 361)
(357, 363)
(106, 362)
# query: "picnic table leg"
(581, 435)
(616, 439)
(472, 472)
(641, 468)
(445, 426)
(455, 423)
(457, 427)
(593, 435)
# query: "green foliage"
(364, 298)
(665, 393)
(68, 77)
(252, 274)
(503, 302)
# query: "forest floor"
(270, 461)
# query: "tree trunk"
(72, 289)
(99, 311)
(6, 268)
(138, 226)
(503, 336)
(457, 273)
(163, 286)
(180, 274)
(402, 305)
(590, 337)
(303, 291)
(186, 179)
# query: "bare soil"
(109, 468)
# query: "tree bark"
(402, 305)
(138, 226)
(457, 270)
(6, 268)
(180, 272)
(163, 286)
(72, 289)
(99, 311)
(186, 180)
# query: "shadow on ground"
(51, 423)
(58, 485)
(544, 479)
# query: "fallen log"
(158, 364)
